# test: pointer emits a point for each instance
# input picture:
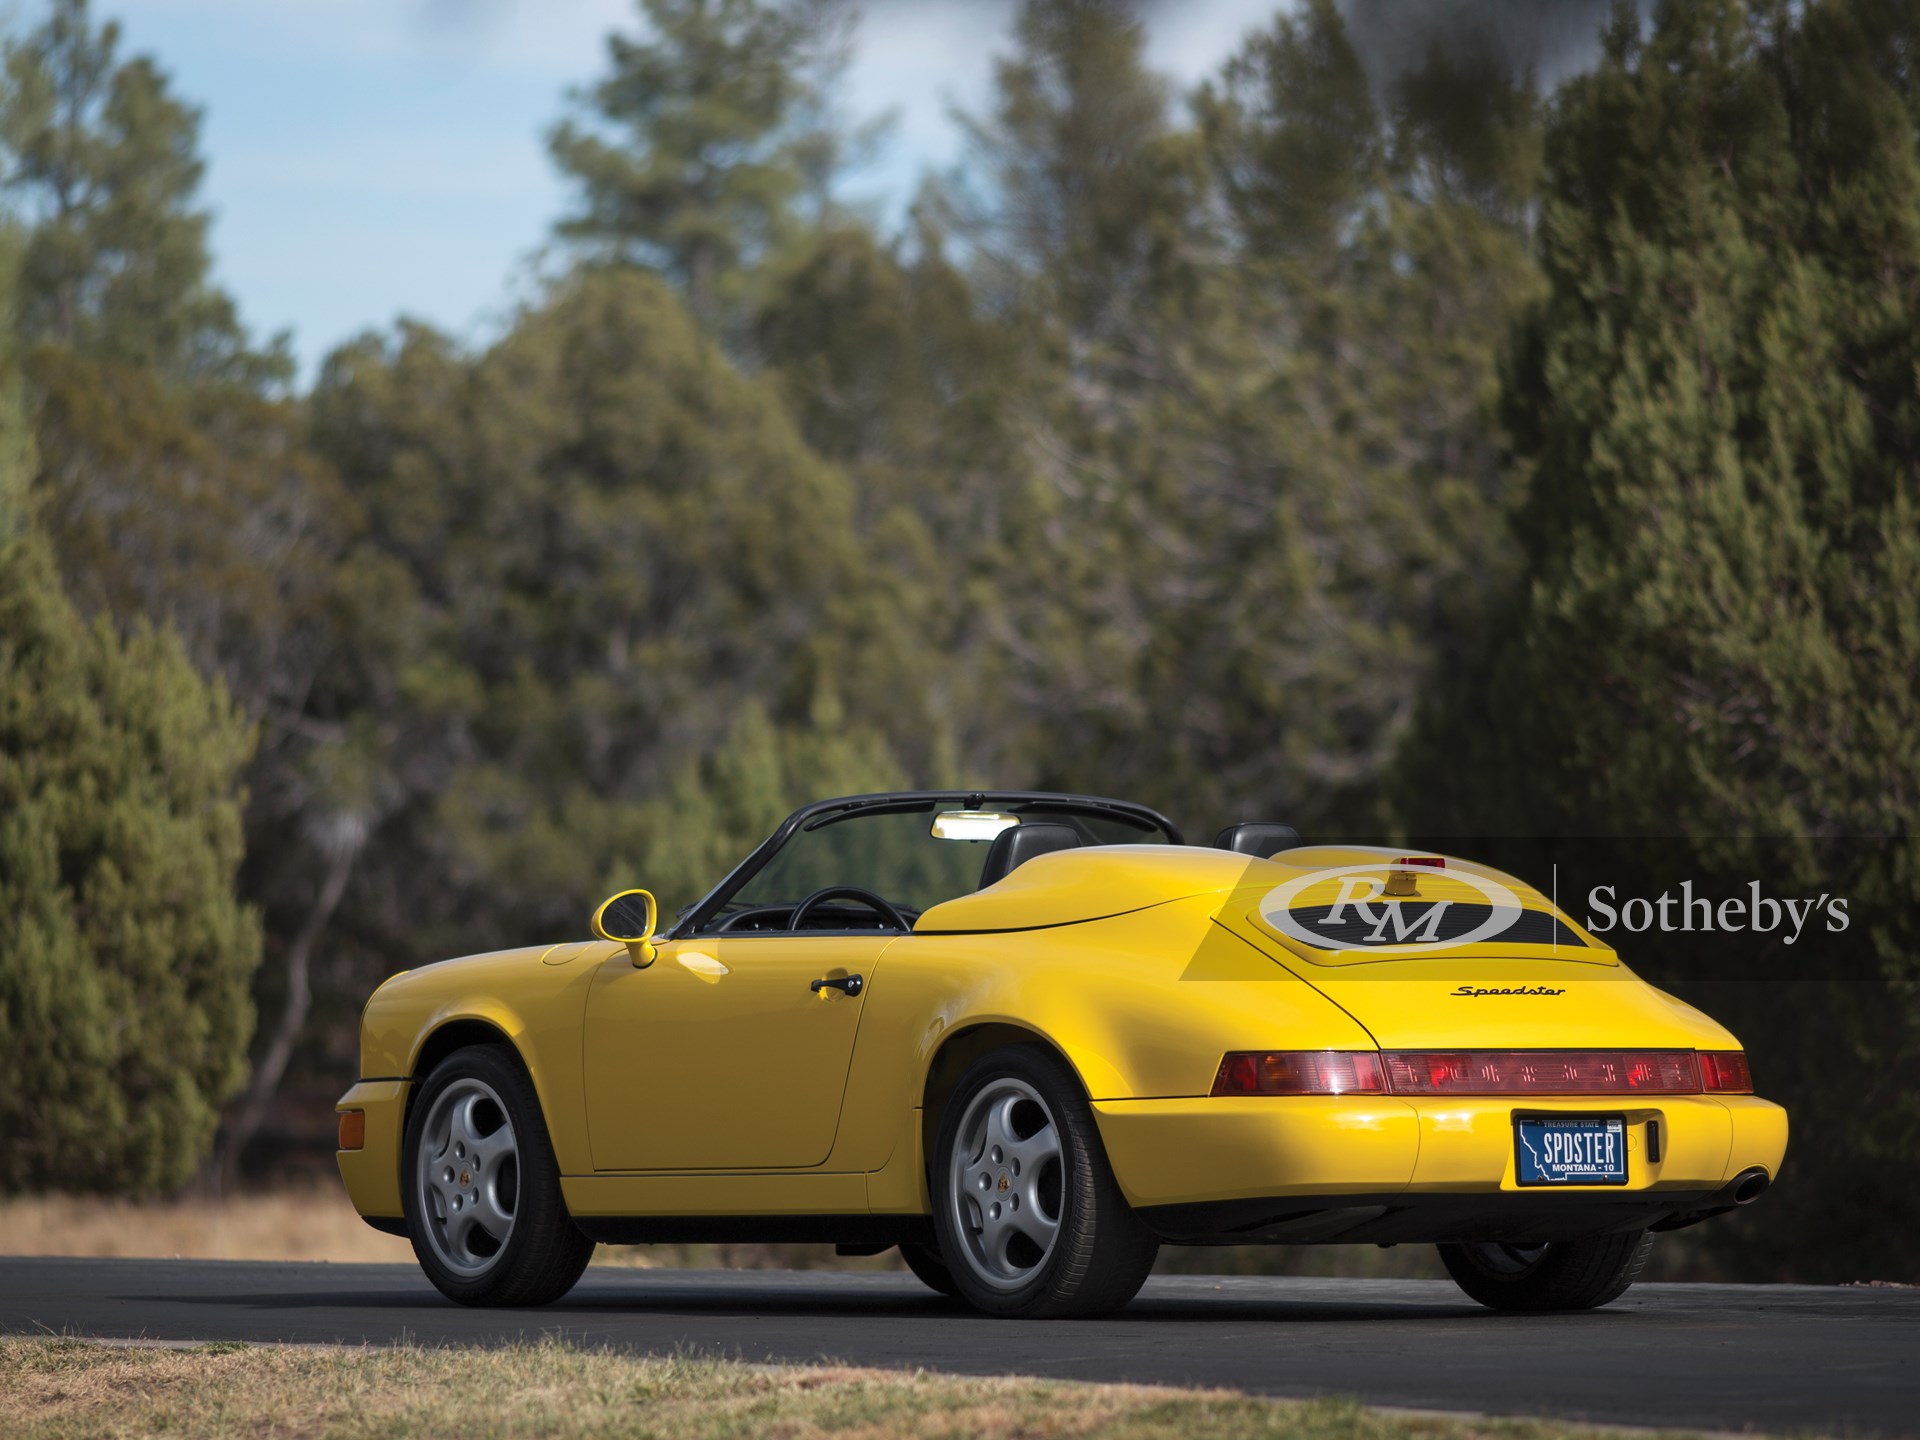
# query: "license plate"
(1570, 1150)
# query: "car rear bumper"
(1379, 1169)
(1421, 1216)
(372, 1173)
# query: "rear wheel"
(1030, 1219)
(1563, 1275)
(482, 1189)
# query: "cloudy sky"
(368, 158)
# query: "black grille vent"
(1354, 931)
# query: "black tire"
(1564, 1275)
(1099, 1253)
(543, 1253)
(929, 1269)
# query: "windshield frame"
(846, 807)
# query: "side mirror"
(630, 918)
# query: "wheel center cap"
(1006, 1181)
(466, 1177)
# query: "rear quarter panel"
(1142, 1005)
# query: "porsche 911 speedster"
(1030, 1038)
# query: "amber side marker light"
(353, 1129)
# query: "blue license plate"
(1570, 1150)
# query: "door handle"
(847, 984)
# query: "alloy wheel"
(1006, 1183)
(468, 1177)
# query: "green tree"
(1714, 652)
(1253, 483)
(730, 799)
(104, 169)
(172, 481)
(124, 1009)
(693, 152)
(893, 371)
(586, 551)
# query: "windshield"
(893, 853)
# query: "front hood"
(469, 964)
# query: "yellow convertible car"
(1030, 1038)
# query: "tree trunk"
(267, 1075)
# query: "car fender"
(536, 1008)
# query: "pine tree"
(172, 483)
(104, 169)
(1256, 479)
(1714, 652)
(587, 550)
(693, 153)
(124, 1009)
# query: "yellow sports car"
(1030, 1038)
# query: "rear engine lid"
(1365, 906)
(1434, 953)
(1512, 1005)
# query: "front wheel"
(1029, 1218)
(1563, 1275)
(482, 1189)
(929, 1269)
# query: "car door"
(721, 1055)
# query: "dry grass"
(57, 1389)
(313, 1222)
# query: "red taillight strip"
(1299, 1072)
(1725, 1072)
(1482, 1072)
(1542, 1072)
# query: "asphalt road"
(1721, 1357)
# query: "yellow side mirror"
(630, 918)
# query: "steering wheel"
(873, 902)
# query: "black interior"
(1086, 819)
(879, 905)
(1257, 837)
(830, 917)
(1013, 847)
